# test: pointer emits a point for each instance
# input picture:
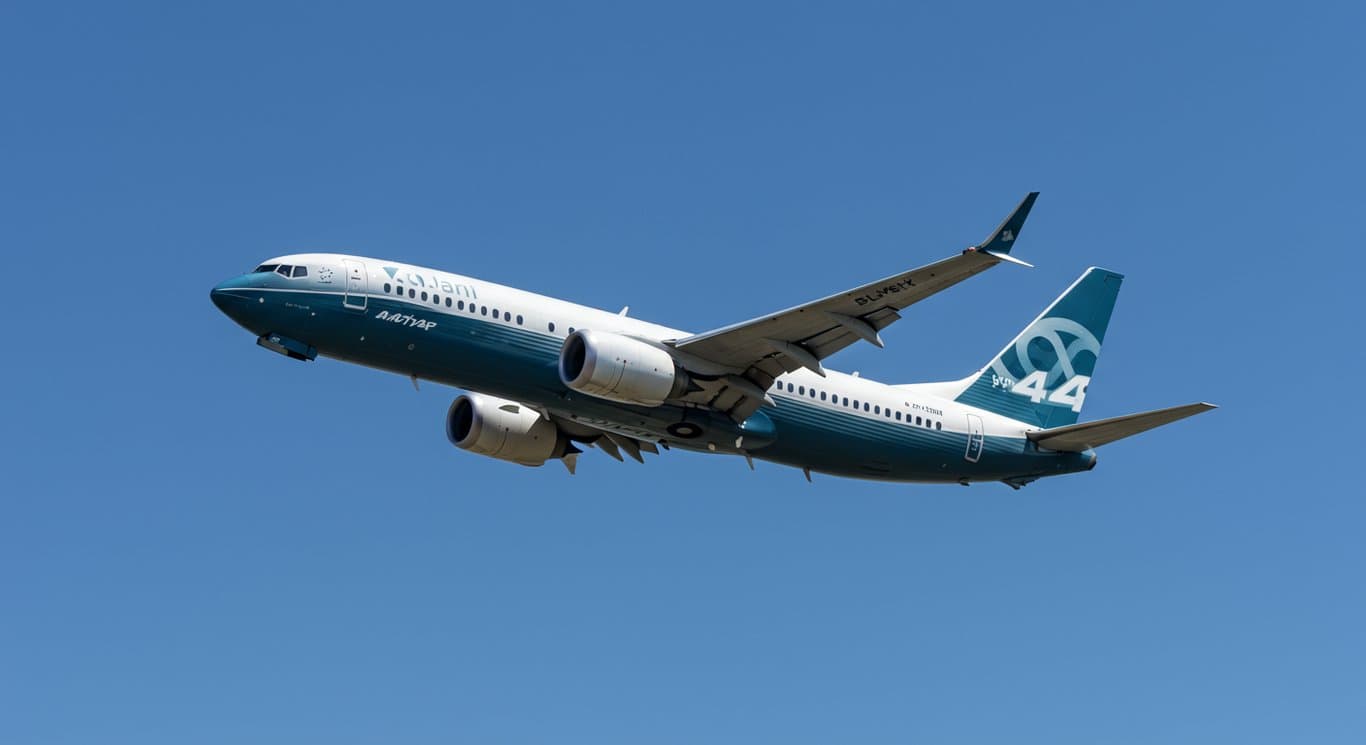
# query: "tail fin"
(1040, 378)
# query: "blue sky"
(200, 541)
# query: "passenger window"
(822, 395)
(300, 271)
(412, 292)
(887, 413)
(789, 387)
(571, 329)
(519, 319)
(898, 416)
(938, 425)
(917, 420)
(845, 401)
(424, 296)
(507, 315)
(813, 392)
(856, 403)
(387, 287)
(801, 390)
(460, 305)
(483, 310)
(877, 409)
(448, 302)
(436, 299)
(865, 405)
(552, 327)
(495, 314)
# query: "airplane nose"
(224, 297)
(219, 297)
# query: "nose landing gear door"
(356, 286)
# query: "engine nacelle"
(503, 429)
(619, 368)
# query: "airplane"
(546, 378)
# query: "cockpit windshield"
(284, 270)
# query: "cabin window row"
(875, 409)
(437, 299)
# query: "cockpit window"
(265, 268)
(283, 270)
(300, 271)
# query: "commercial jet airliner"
(545, 377)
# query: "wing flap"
(1074, 438)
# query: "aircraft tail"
(1040, 378)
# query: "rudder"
(1040, 378)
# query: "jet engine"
(505, 430)
(619, 368)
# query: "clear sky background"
(204, 542)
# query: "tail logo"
(1050, 372)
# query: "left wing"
(763, 348)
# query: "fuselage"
(485, 337)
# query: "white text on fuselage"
(405, 319)
(434, 283)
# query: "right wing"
(761, 349)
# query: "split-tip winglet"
(1001, 240)
(1008, 257)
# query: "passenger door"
(356, 285)
(975, 439)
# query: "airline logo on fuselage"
(406, 319)
(430, 282)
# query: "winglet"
(1011, 259)
(999, 242)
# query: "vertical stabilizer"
(1041, 377)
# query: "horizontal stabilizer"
(1074, 438)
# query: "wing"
(763, 348)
